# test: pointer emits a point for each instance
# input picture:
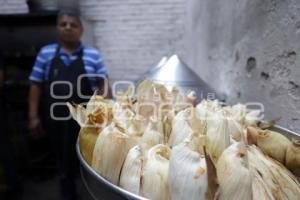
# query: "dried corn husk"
(267, 124)
(188, 172)
(184, 124)
(253, 117)
(238, 112)
(260, 189)
(234, 177)
(98, 111)
(242, 115)
(150, 95)
(148, 91)
(273, 179)
(218, 136)
(87, 139)
(235, 130)
(132, 170)
(91, 125)
(167, 124)
(78, 113)
(292, 159)
(155, 173)
(154, 133)
(110, 151)
(198, 126)
(206, 109)
(136, 126)
(135, 129)
(98, 102)
(180, 102)
(251, 135)
(101, 117)
(273, 144)
(126, 99)
(154, 99)
(191, 97)
(212, 180)
(122, 116)
(181, 129)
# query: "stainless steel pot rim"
(286, 132)
(103, 180)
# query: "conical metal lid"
(173, 71)
(176, 71)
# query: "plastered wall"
(250, 51)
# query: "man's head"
(69, 27)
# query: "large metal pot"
(100, 188)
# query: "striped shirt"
(92, 60)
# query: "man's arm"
(37, 77)
(34, 99)
(34, 96)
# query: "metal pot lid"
(175, 71)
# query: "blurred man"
(55, 75)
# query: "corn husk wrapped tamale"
(272, 179)
(147, 90)
(184, 125)
(180, 102)
(122, 116)
(131, 174)
(235, 129)
(87, 139)
(234, 177)
(241, 114)
(152, 98)
(136, 126)
(187, 171)
(93, 119)
(149, 97)
(110, 151)
(273, 144)
(155, 173)
(181, 129)
(154, 133)
(251, 135)
(218, 136)
(292, 159)
(206, 108)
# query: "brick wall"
(133, 35)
